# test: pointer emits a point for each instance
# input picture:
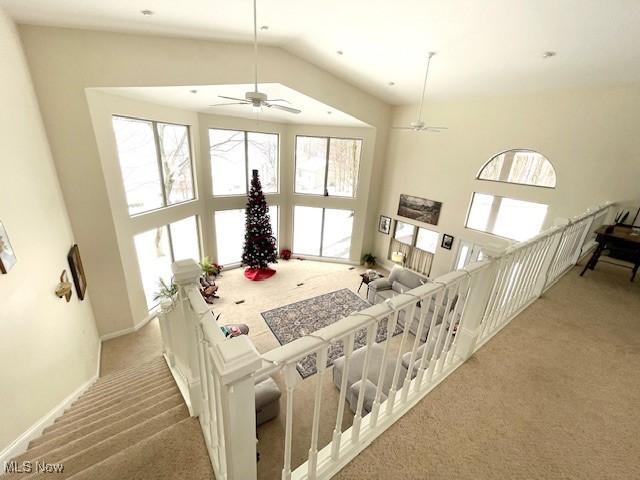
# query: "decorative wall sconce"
(64, 287)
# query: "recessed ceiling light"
(146, 12)
(194, 91)
(391, 84)
(340, 52)
(549, 54)
(264, 27)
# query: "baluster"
(525, 263)
(416, 343)
(291, 381)
(321, 366)
(450, 355)
(432, 364)
(436, 299)
(391, 327)
(408, 320)
(357, 420)
(337, 431)
(446, 319)
(496, 295)
(540, 256)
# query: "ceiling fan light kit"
(419, 125)
(256, 99)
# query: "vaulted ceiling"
(485, 47)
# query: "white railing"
(451, 318)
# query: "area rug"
(302, 318)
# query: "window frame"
(530, 150)
(170, 242)
(466, 221)
(326, 166)
(246, 162)
(321, 246)
(414, 238)
(156, 140)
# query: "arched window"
(525, 167)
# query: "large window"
(155, 161)
(234, 154)
(230, 230)
(322, 232)
(506, 217)
(327, 166)
(525, 167)
(158, 248)
(414, 236)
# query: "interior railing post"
(186, 274)
(165, 332)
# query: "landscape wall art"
(420, 209)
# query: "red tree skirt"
(257, 274)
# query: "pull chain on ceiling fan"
(419, 125)
(256, 99)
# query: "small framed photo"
(7, 255)
(384, 225)
(77, 271)
(447, 241)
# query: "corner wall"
(590, 137)
(48, 348)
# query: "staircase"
(131, 424)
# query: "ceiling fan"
(256, 99)
(419, 125)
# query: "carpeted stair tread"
(126, 381)
(77, 441)
(79, 420)
(177, 452)
(104, 382)
(112, 404)
(98, 452)
(127, 390)
(82, 429)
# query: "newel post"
(186, 273)
(483, 281)
(236, 361)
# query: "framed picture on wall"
(7, 255)
(420, 209)
(447, 241)
(77, 271)
(384, 225)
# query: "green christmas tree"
(259, 243)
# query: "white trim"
(119, 333)
(21, 444)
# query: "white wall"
(590, 136)
(65, 62)
(48, 348)
(103, 106)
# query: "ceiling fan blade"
(243, 100)
(225, 104)
(279, 100)
(434, 129)
(282, 107)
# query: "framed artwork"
(420, 209)
(384, 225)
(7, 255)
(447, 241)
(77, 271)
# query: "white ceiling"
(313, 111)
(484, 46)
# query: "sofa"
(267, 399)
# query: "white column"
(186, 273)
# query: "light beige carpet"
(555, 395)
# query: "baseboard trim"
(20, 444)
(119, 333)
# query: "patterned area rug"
(302, 318)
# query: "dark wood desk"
(621, 244)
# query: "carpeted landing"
(132, 424)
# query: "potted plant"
(369, 260)
(210, 269)
(166, 294)
(285, 254)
